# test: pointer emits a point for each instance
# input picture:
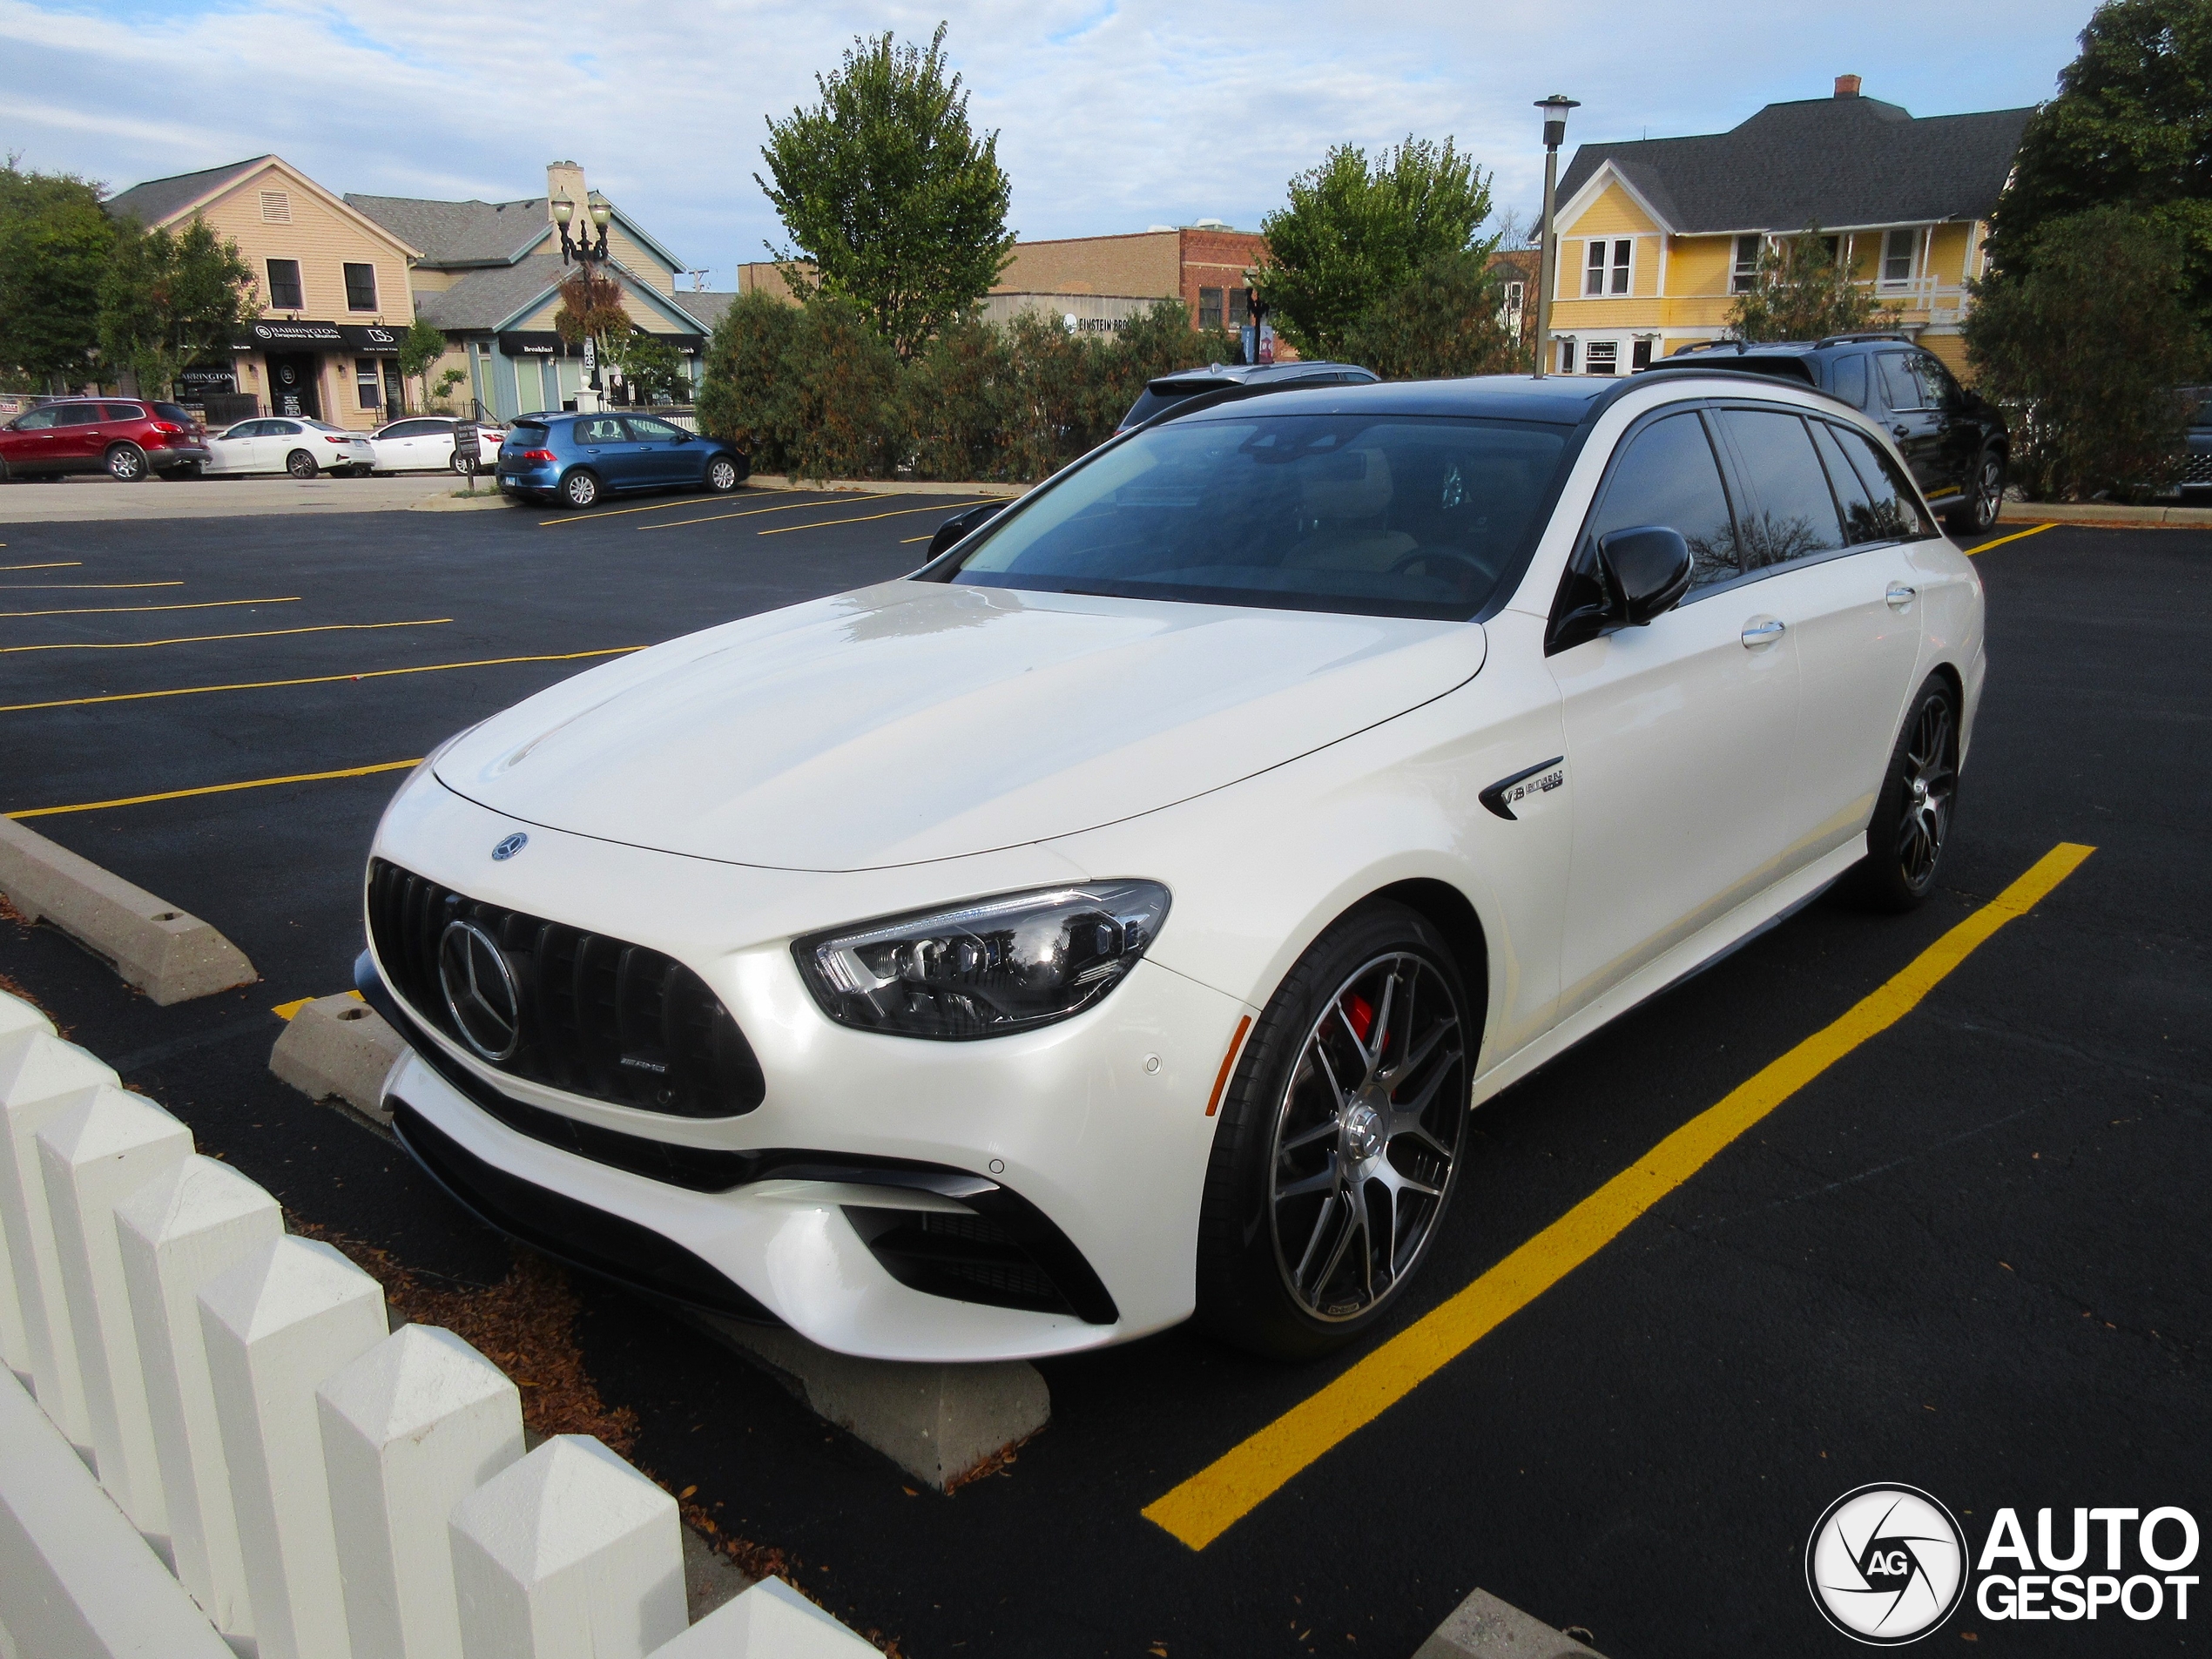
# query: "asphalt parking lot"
(1969, 1254)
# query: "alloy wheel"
(580, 489)
(301, 464)
(125, 464)
(721, 475)
(1366, 1138)
(1930, 783)
(1989, 491)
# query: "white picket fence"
(320, 1486)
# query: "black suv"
(1171, 389)
(1954, 440)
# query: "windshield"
(1376, 515)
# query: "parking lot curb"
(1482, 1627)
(443, 503)
(172, 956)
(884, 486)
(939, 1423)
(2106, 514)
(339, 1046)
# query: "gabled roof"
(707, 306)
(157, 198)
(460, 234)
(500, 296)
(1836, 162)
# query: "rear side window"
(1894, 504)
(124, 412)
(1847, 380)
(1790, 514)
(1901, 386)
(175, 412)
(77, 414)
(1667, 476)
(1861, 523)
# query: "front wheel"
(580, 489)
(1340, 1139)
(1912, 821)
(301, 464)
(722, 474)
(1977, 515)
(127, 463)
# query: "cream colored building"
(332, 283)
(1658, 238)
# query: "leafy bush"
(2084, 349)
(1801, 291)
(1444, 323)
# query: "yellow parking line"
(750, 512)
(2036, 529)
(1216, 1498)
(908, 541)
(125, 611)
(78, 587)
(863, 518)
(315, 679)
(649, 507)
(288, 1010)
(51, 564)
(216, 789)
(202, 639)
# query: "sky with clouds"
(1113, 115)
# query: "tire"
(127, 463)
(580, 489)
(301, 464)
(1912, 814)
(461, 465)
(723, 475)
(1277, 1273)
(1977, 516)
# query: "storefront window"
(369, 378)
(283, 285)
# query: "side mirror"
(1647, 572)
(683, 436)
(957, 527)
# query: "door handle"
(1901, 430)
(1756, 634)
(1899, 597)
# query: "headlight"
(986, 968)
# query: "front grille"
(2198, 468)
(599, 1017)
(968, 1258)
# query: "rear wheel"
(1340, 1140)
(461, 465)
(580, 488)
(127, 463)
(1912, 821)
(301, 464)
(1984, 497)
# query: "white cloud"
(1112, 114)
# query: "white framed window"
(1743, 274)
(1566, 357)
(1509, 313)
(1609, 266)
(1603, 357)
(1898, 248)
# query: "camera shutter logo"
(1887, 1564)
(479, 990)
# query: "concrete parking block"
(170, 956)
(936, 1422)
(1482, 1627)
(338, 1045)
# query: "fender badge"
(518, 841)
(1538, 779)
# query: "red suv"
(126, 438)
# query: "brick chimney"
(566, 178)
(1846, 86)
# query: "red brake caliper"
(1361, 1013)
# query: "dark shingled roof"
(1833, 162)
(707, 305)
(157, 198)
(484, 299)
(451, 233)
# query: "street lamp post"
(1554, 108)
(584, 252)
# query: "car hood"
(913, 720)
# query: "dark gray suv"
(1954, 440)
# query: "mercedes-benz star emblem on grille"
(479, 990)
(508, 848)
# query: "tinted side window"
(1667, 476)
(649, 431)
(175, 412)
(1895, 506)
(1790, 514)
(1847, 380)
(124, 412)
(1900, 388)
(36, 421)
(1862, 524)
(77, 414)
(1940, 391)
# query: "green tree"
(2131, 127)
(652, 367)
(1801, 291)
(169, 299)
(2083, 348)
(743, 393)
(420, 348)
(55, 239)
(891, 200)
(1354, 234)
(1445, 323)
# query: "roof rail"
(1852, 339)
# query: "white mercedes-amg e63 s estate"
(1118, 919)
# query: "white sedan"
(289, 443)
(425, 443)
(1120, 917)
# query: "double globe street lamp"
(1554, 108)
(585, 252)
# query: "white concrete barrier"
(770, 1621)
(77, 1582)
(409, 1430)
(41, 1077)
(176, 1233)
(276, 1326)
(570, 1553)
(18, 1018)
(95, 1156)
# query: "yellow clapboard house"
(1658, 237)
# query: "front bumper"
(1062, 1138)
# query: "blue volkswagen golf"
(576, 459)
